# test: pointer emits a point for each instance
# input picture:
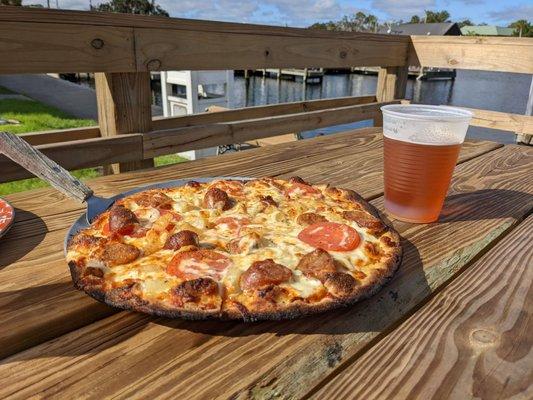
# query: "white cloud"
(512, 14)
(280, 12)
(403, 9)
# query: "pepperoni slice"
(302, 189)
(198, 264)
(233, 188)
(330, 236)
(174, 214)
(233, 223)
(125, 230)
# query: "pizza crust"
(250, 308)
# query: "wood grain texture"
(40, 48)
(514, 123)
(158, 143)
(505, 54)
(164, 49)
(271, 110)
(34, 161)
(124, 107)
(34, 245)
(473, 340)
(80, 154)
(392, 82)
(62, 135)
(149, 357)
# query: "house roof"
(438, 29)
(486, 30)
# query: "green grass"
(4, 90)
(169, 159)
(35, 117)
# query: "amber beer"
(421, 148)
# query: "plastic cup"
(421, 147)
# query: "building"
(486, 30)
(435, 29)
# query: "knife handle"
(41, 166)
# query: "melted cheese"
(276, 228)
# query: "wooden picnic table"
(455, 321)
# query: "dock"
(420, 73)
(305, 74)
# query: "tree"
(10, 2)
(415, 19)
(465, 22)
(132, 7)
(522, 28)
(437, 16)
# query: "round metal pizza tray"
(81, 222)
(7, 216)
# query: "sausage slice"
(181, 239)
(217, 198)
(119, 253)
(121, 220)
(317, 264)
(264, 273)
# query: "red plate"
(7, 215)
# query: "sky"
(301, 13)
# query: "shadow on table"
(12, 247)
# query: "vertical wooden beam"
(527, 139)
(392, 82)
(124, 106)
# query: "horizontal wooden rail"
(33, 41)
(196, 137)
(160, 123)
(515, 123)
(63, 135)
(81, 154)
(506, 54)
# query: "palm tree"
(521, 27)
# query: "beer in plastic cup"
(421, 146)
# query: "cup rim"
(442, 113)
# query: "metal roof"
(438, 29)
(486, 30)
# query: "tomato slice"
(301, 189)
(197, 264)
(233, 223)
(330, 236)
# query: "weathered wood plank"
(80, 154)
(165, 49)
(37, 48)
(515, 123)
(473, 340)
(506, 54)
(277, 357)
(271, 110)
(124, 107)
(392, 82)
(63, 135)
(197, 137)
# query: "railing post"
(124, 106)
(392, 82)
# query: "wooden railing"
(121, 49)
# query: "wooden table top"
(455, 321)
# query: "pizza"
(235, 249)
